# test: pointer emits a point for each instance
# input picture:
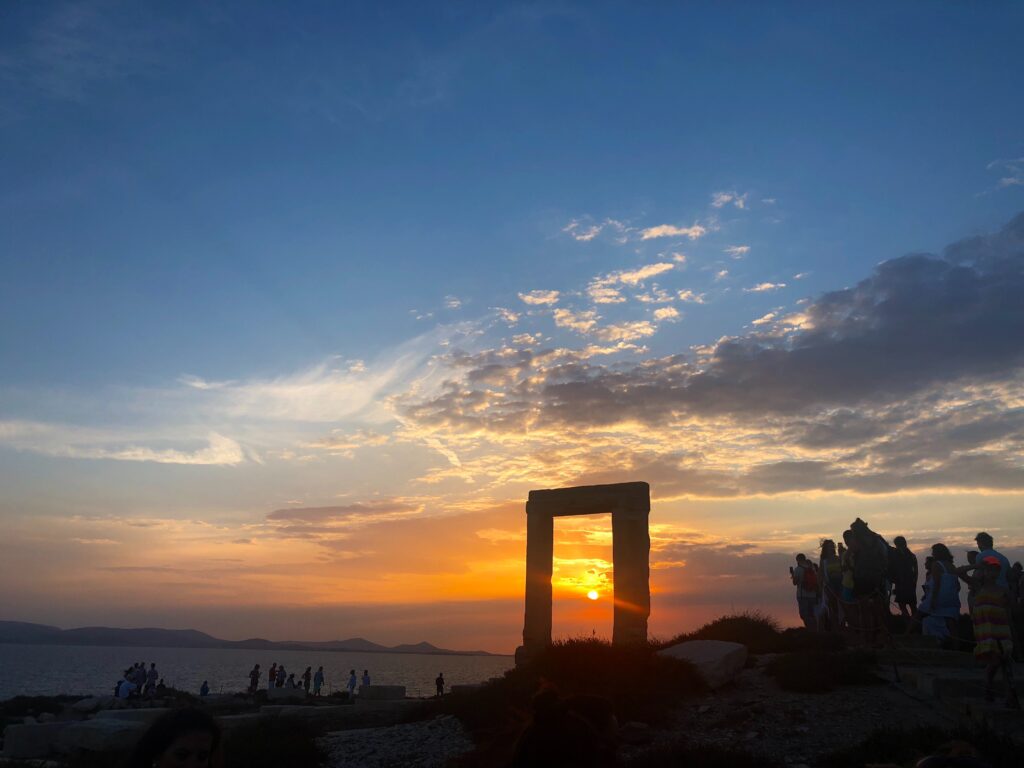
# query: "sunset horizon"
(297, 310)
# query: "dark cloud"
(910, 379)
(360, 510)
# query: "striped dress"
(991, 623)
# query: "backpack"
(809, 580)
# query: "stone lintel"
(624, 498)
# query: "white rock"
(717, 661)
(85, 706)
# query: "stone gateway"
(630, 507)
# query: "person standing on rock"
(993, 640)
(151, 679)
(254, 679)
(806, 581)
(905, 578)
(985, 545)
(439, 683)
(318, 681)
(204, 691)
(366, 678)
(307, 678)
(351, 682)
(272, 676)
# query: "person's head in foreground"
(182, 738)
(900, 542)
(984, 541)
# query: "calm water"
(93, 670)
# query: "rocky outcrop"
(717, 661)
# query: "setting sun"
(592, 594)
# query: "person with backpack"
(805, 578)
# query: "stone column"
(540, 535)
(631, 548)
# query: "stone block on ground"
(381, 692)
(146, 716)
(100, 735)
(717, 661)
(25, 742)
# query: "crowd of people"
(139, 682)
(852, 586)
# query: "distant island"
(41, 634)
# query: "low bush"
(637, 682)
(823, 671)
(20, 706)
(758, 631)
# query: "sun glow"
(592, 594)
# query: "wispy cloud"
(584, 230)
(722, 199)
(690, 297)
(737, 251)
(671, 230)
(764, 287)
(540, 298)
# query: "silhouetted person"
(943, 602)
(366, 678)
(307, 678)
(993, 643)
(439, 683)
(985, 545)
(318, 681)
(254, 679)
(351, 682)
(151, 679)
(805, 578)
(161, 689)
(281, 677)
(830, 569)
(904, 578)
(290, 682)
(182, 737)
(204, 690)
(272, 676)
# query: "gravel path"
(426, 744)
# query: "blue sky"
(276, 227)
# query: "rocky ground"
(425, 744)
(754, 714)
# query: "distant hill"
(42, 634)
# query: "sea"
(49, 670)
